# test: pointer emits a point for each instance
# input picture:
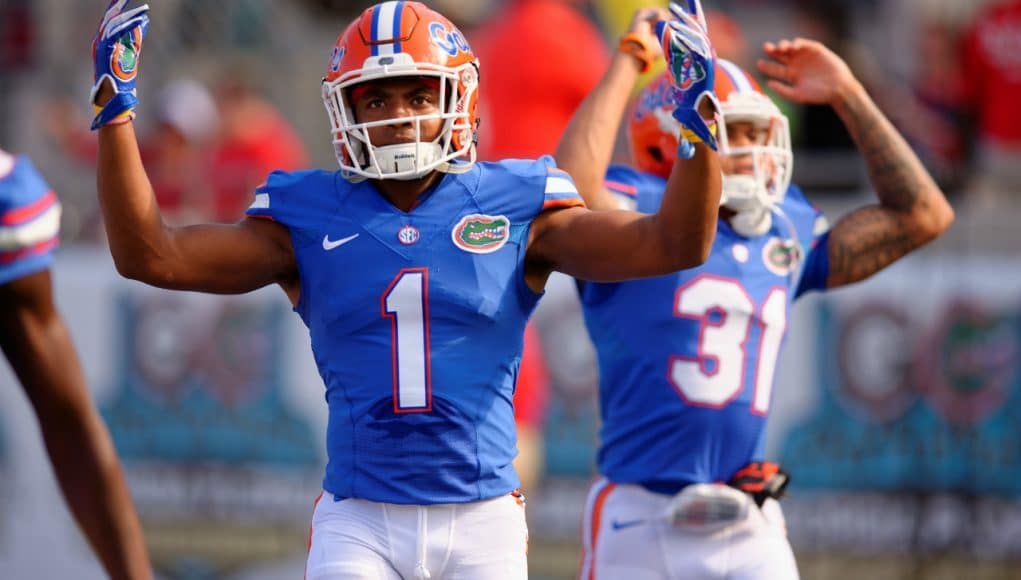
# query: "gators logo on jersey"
(481, 234)
(781, 257)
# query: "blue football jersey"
(416, 321)
(687, 360)
(29, 219)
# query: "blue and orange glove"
(115, 53)
(692, 61)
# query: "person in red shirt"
(534, 77)
(255, 139)
(992, 89)
(534, 81)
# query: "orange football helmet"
(394, 39)
(653, 136)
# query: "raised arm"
(608, 246)
(218, 258)
(586, 146)
(912, 209)
(210, 258)
(619, 245)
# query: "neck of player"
(404, 195)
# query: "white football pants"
(626, 537)
(355, 539)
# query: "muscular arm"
(911, 211)
(217, 258)
(586, 146)
(38, 346)
(606, 246)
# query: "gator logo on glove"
(124, 58)
(690, 60)
(687, 71)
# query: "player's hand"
(691, 60)
(643, 26)
(805, 71)
(116, 50)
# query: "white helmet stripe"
(383, 27)
(741, 82)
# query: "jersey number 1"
(406, 304)
(716, 375)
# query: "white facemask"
(405, 161)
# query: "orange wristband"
(635, 45)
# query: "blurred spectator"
(728, 39)
(466, 14)
(177, 153)
(991, 65)
(539, 59)
(935, 127)
(175, 149)
(255, 139)
(204, 155)
(18, 35)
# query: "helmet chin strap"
(752, 223)
(413, 160)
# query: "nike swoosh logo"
(627, 524)
(328, 245)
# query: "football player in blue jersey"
(38, 346)
(415, 270)
(687, 360)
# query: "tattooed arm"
(911, 210)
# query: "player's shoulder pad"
(286, 194)
(526, 187)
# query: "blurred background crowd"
(230, 91)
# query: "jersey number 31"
(716, 375)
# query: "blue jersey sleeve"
(522, 189)
(296, 199)
(29, 221)
(817, 267)
(558, 189)
(814, 236)
(635, 190)
(274, 198)
(623, 182)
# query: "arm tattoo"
(895, 172)
(864, 242)
(873, 237)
